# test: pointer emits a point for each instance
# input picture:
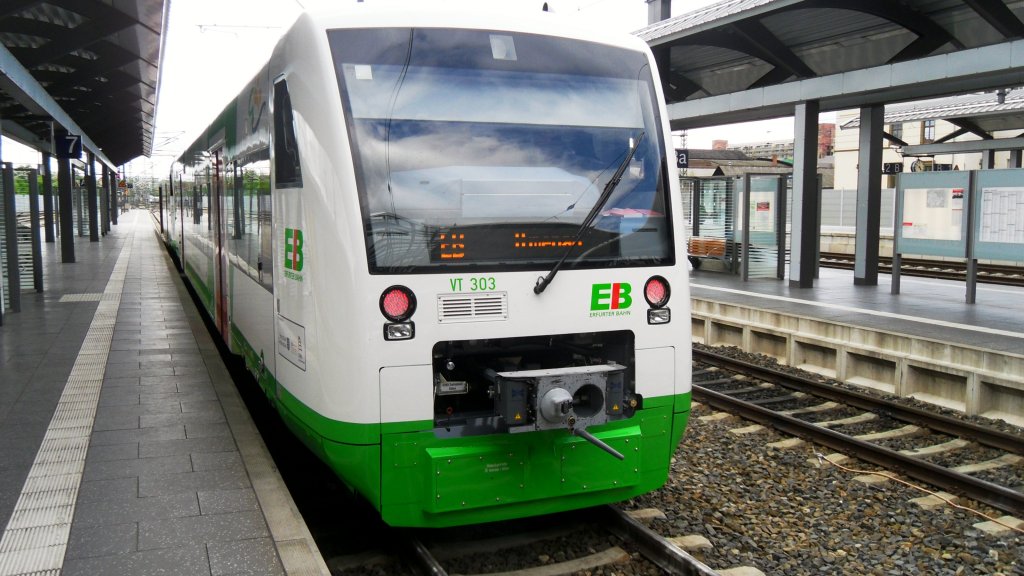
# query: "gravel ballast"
(771, 509)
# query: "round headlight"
(397, 303)
(657, 291)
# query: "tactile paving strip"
(36, 536)
(88, 297)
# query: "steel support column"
(48, 199)
(37, 246)
(869, 197)
(658, 10)
(161, 189)
(806, 200)
(1015, 159)
(114, 191)
(67, 222)
(13, 287)
(988, 160)
(104, 202)
(94, 213)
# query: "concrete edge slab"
(294, 543)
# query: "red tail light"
(657, 291)
(397, 303)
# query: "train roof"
(451, 14)
(475, 15)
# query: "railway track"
(981, 463)
(1005, 275)
(569, 543)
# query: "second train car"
(446, 246)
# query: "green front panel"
(429, 481)
(586, 467)
(358, 465)
(417, 479)
(475, 476)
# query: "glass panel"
(763, 210)
(933, 213)
(489, 149)
(287, 171)
(999, 222)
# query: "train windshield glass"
(489, 149)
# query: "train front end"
(527, 322)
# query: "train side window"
(287, 172)
(255, 245)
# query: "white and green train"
(446, 246)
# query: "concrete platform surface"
(927, 308)
(126, 448)
(927, 342)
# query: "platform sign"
(67, 146)
(892, 167)
(682, 158)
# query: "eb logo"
(293, 249)
(614, 296)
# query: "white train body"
(454, 156)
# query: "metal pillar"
(161, 191)
(104, 203)
(1015, 158)
(114, 191)
(37, 245)
(745, 238)
(897, 256)
(11, 240)
(658, 10)
(90, 187)
(869, 197)
(67, 223)
(48, 198)
(780, 229)
(1, 259)
(806, 200)
(988, 160)
(973, 201)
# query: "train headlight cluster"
(397, 304)
(657, 292)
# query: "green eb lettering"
(620, 296)
(599, 293)
(614, 296)
(293, 259)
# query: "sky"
(213, 47)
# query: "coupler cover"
(567, 398)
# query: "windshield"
(488, 149)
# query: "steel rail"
(654, 546)
(982, 435)
(420, 556)
(996, 496)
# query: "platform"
(126, 448)
(925, 342)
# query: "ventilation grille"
(481, 307)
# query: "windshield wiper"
(543, 281)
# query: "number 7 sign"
(68, 145)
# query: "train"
(448, 246)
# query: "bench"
(700, 247)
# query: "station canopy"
(980, 114)
(88, 65)
(741, 60)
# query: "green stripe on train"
(415, 478)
